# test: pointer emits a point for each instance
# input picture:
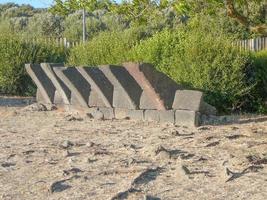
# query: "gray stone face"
(152, 115)
(79, 87)
(187, 118)
(102, 89)
(121, 113)
(167, 116)
(46, 88)
(188, 100)
(63, 94)
(126, 91)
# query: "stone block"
(102, 89)
(167, 116)
(188, 100)
(79, 87)
(46, 89)
(152, 115)
(121, 113)
(187, 118)
(62, 94)
(126, 90)
(159, 89)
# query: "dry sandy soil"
(60, 155)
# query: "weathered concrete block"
(167, 116)
(79, 87)
(46, 89)
(187, 118)
(121, 113)
(152, 115)
(188, 100)
(136, 114)
(102, 89)
(159, 89)
(62, 94)
(126, 91)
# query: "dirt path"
(56, 155)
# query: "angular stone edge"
(148, 90)
(75, 92)
(108, 71)
(188, 100)
(94, 86)
(48, 69)
(42, 93)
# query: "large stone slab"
(79, 87)
(188, 100)
(127, 92)
(149, 99)
(159, 89)
(102, 89)
(62, 93)
(46, 89)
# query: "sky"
(34, 3)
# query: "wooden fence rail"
(56, 41)
(254, 44)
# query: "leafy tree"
(250, 13)
(65, 7)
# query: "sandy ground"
(59, 155)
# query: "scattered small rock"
(66, 144)
(97, 115)
(8, 164)
(59, 186)
(213, 144)
(73, 118)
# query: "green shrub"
(106, 48)
(14, 53)
(206, 61)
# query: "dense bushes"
(204, 61)
(107, 48)
(14, 53)
(194, 55)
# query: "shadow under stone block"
(127, 92)
(46, 89)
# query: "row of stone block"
(133, 86)
(177, 117)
